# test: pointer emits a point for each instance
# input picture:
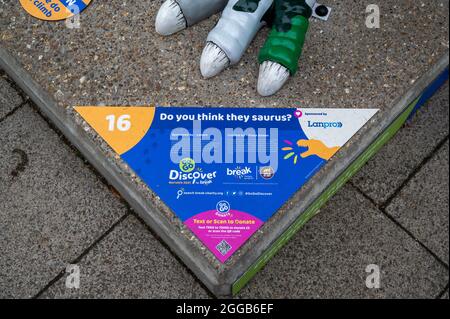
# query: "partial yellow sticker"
(121, 127)
(54, 10)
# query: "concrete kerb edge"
(48, 106)
(337, 168)
(219, 284)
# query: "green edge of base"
(324, 197)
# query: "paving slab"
(328, 258)
(130, 263)
(422, 205)
(389, 169)
(9, 98)
(52, 206)
(116, 58)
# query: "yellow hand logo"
(316, 147)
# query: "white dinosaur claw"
(272, 77)
(213, 60)
(170, 18)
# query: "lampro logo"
(325, 125)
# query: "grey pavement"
(52, 206)
(422, 205)
(130, 262)
(55, 211)
(329, 256)
(9, 97)
(393, 165)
